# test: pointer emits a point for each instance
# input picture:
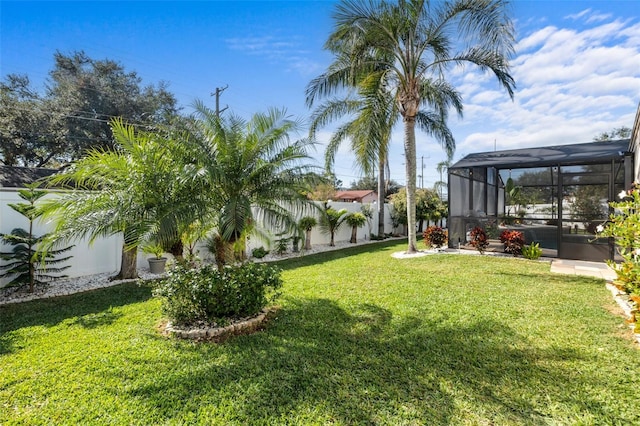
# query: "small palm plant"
(26, 264)
(307, 223)
(355, 220)
(331, 220)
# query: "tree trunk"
(129, 264)
(381, 194)
(410, 162)
(354, 235)
(331, 243)
(307, 240)
(177, 250)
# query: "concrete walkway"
(581, 267)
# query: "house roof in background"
(581, 153)
(353, 195)
(18, 177)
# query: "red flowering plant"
(513, 241)
(435, 236)
(479, 239)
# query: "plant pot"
(157, 265)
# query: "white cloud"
(578, 15)
(589, 16)
(277, 50)
(572, 84)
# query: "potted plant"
(157, 263)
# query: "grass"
(360, 338)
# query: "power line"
(217, 93)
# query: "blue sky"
(577, 64)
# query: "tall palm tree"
(369, 131)
(414, 43)
(251, 171)
(442, 167)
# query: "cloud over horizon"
(572, 84)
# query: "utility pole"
(217, 93)
(422, 175)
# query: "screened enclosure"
(556, 196)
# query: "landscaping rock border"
(622, 299)
(217, 333)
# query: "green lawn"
(360, 338)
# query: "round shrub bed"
(206, 297)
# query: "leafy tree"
(324, 187)
(330, 221)
(371, 182)
(355, 221)
(410, 44)
(399, 209)
(29, 136)
(27, 265)
(428, 206)
(73, 114)
(615, 134)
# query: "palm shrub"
(251, 173)
(211, 295)
(513, 241)
(143, 190)
(307, 223)
(330, 221)
(27, 265)
(355, 221)
(532, 251)
(479, 239)
(434, 236)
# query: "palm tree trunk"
(381, 194)
(307, 240)
(177, 250)
(410, 162)
(129, 264)
(354, 235)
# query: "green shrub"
(281, 246)
(259, 252)
(532, 251)
(208, 295)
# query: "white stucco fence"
(104, 255)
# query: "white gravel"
(91, 282)
(65, 287)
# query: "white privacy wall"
(318, 237)
(104, 255)
(101, 256)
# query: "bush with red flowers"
(479, 239)
(513, 241)
(435, 236)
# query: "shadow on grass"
(363, 366)
(91, 308)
